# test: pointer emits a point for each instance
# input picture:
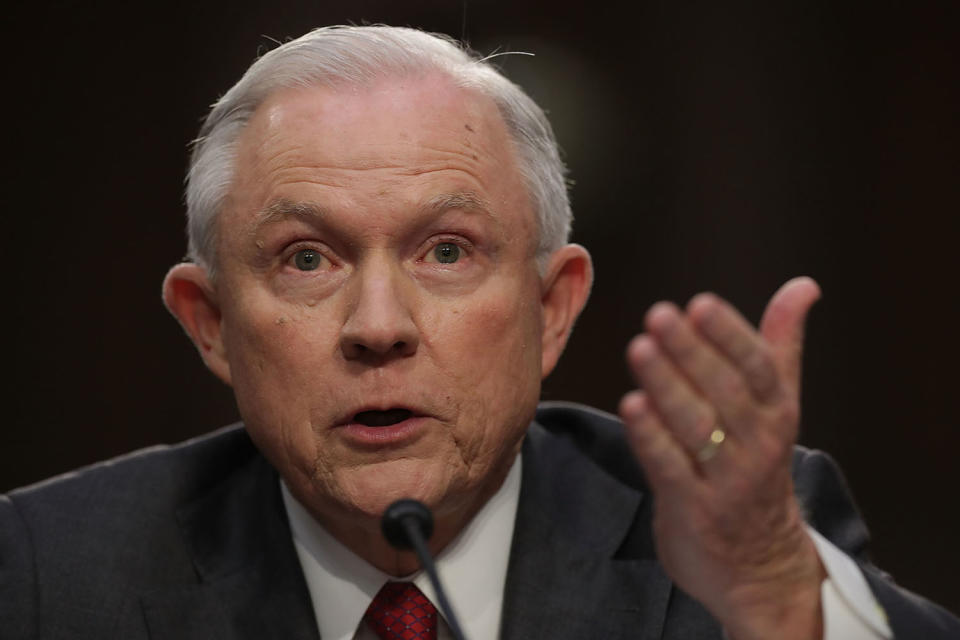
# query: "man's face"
(379, 294)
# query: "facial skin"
(376, 252)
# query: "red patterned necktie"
(400, 611)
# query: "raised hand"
(714, 427)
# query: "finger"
(683, 411)
(783, 323)
(707, 369)
(665, 461)
(729, 333)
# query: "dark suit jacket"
(192, 541)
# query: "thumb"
(783, 323)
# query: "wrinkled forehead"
(397, 129)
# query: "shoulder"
(576, 440)
(571, 429)
(73, 547)
(130, 500)
(152, 478)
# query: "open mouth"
(382, 418)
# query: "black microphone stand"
(408, 524)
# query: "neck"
(368, 542)
(361, 533)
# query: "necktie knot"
(400, 611)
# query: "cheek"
(489, 337)
(508, 337)
(283, 348)
(278, 357)
(491, 359)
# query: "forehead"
(396, 135)
(412, 111)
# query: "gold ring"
(707, 451)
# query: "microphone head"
(400, 512)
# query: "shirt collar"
(472, 568)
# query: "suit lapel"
(250, 581)
(578, 566)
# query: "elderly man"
(378, 230)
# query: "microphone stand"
(408, 524)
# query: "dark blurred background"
(721, 146)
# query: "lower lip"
(401, 433)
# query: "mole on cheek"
(281, 320)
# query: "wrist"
(785, 604)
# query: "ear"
(564, 292)
(190, 297)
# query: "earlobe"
(566, 287)
(189, 296)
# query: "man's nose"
(380, 325)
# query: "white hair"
(335, 56)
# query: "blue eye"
(446, 252)
(307, 259)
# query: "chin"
(369, 490)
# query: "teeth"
(382, 418)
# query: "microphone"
(408, 524)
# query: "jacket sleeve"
(18, 588)
(829, 508)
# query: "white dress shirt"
(473, 570)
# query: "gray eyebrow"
(466, 200)
(285, 208)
